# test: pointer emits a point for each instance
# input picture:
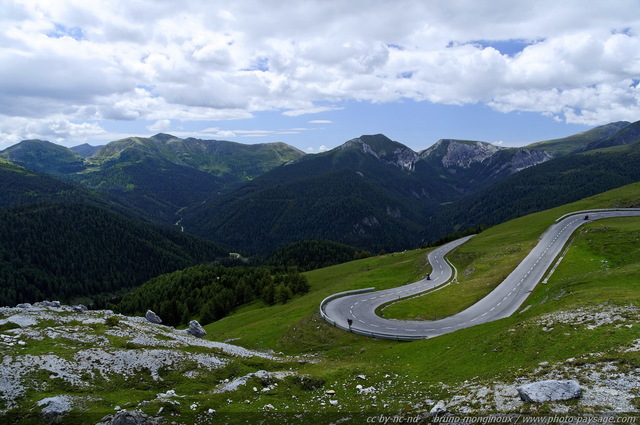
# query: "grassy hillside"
(506, 351)
(483, 262)
(580, 141)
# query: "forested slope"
(61, 250)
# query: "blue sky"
(315, 73)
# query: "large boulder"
(195, 329)
(552, 390)
(152, 317)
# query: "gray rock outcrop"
(130, 418)
(55, 407)
(195, 329)
(152, 317)
(551, 390)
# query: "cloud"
(84, 62)
(322, 148)
(320, 122)
(60, 130)
(309, 110)
(160, 126)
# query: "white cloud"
(160, 126)
(320, 122)
(322, 148)
(57, 130)
(309, 110)
(79, 61)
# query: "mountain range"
(370, 192)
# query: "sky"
(316, 73)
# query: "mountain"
(155, 176)
(581, 141)
(628, 134)
(44, 156)
(371, 192)
(555, 182)
(470, 165)
(85, 150)
(231, 162)
(59, 239)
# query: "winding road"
(359, 306)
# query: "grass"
(503, 349)
(279, 327)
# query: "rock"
(267, 407)
(363, 377)
(439, 409)
(54, 304)
(24, 305)
(368, 390)
(195, 329)
(152, 317)
(330, 392)
(55, 406)
(551, 390)
(130, 418)
(79, 308)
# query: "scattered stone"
(196, 330)
(363, 377)
(551, 390)
(130, 418)
(79, 308)
(330, 392)
(152, 317)
(268, 407)
(439, 409)
(333, 402)
(24, 305)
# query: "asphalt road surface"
(503, 301)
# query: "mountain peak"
(385, 150)
(459, 153)
(162, 137)
(44, 156)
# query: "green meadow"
(601, 267)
